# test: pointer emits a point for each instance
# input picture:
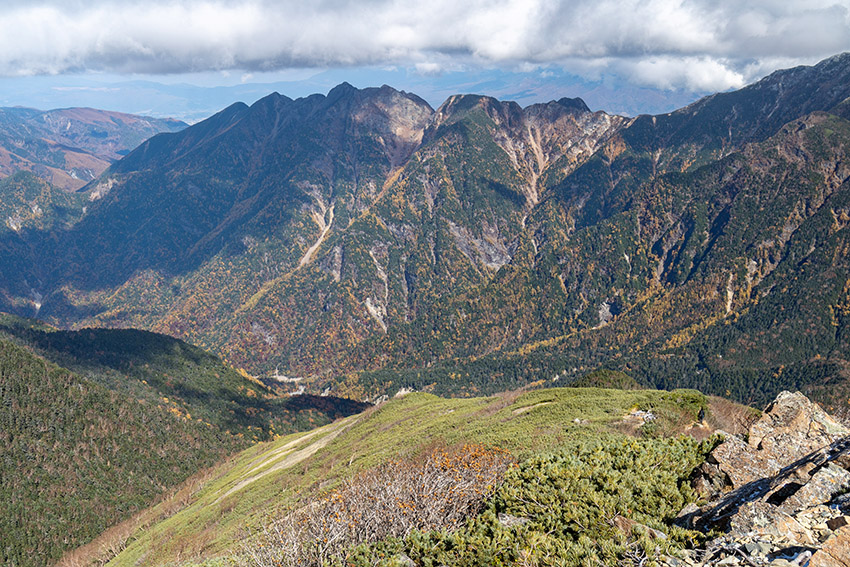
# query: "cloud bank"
(700, 45)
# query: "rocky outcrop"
(835, 552)
(794, 426)
(791, 428)
(782, 496)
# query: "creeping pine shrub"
(439, 492)
(598, 503)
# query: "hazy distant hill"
(477, 246)
(70, 147)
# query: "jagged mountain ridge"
(365, 230)
(337, 186)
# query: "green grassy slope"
(248, 492)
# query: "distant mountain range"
(366, 242)
(72, 146)
(195, 102)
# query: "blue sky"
(188, 58)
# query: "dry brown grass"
(730, 416)
(722, 415)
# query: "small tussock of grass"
(399, 429)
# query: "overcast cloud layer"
(701, 45)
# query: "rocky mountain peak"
(342, 90)
(555, 110)
(459, 107)
(352, 97)
(397, 114)
(396, 120)
(535, 137)
(575, 104)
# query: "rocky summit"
(779, 494)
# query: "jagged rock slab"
(835, 551)
(774, 491)
(784, 496)
(794, 426)
(791, 428)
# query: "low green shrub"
(600, 503)
(603, 502)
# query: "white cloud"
(696, 73)
(428, 68)
(694, 44)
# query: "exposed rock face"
(794, 426)
(781, 496)
(563, 133)
(791, 428)
(835, 552)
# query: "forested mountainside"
(367, 242)
(83, 450)
(69, 147)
